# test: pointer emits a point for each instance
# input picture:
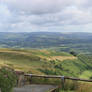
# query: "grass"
(86, 74)
(79, 87)
(46, 62)
(28, 60)
(49, 62)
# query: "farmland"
(49, 54)
(47, 62)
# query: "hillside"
(30, 60)
(81, 42)
(47, 62)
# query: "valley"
(49, 54)
(80, 42)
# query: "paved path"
(35, 88)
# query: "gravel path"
(35, 88)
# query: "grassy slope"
(45, 62)
(42, 62)
(87, 60)
(32, 60)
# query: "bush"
(7, 79)
(70, 85)
(73, 53)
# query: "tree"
(8, 79)
(73, 53)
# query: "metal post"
(63, 82)
(30, 78)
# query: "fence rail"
(58, 77)
(63, 78)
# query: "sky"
(45, 15)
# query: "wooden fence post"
(30, 79)
(63, 82)
(20, 80)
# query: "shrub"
(73, 53)
(70, 85)
(7, 79)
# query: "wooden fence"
(63, 78)
(58, 77)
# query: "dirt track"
(35, 88)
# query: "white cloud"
(50, 15)
(37, 6)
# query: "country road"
(35, 88)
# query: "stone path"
(35, 88)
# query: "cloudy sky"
(46, 15)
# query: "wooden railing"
(58, 77)
(62, 78)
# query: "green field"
(80, 42)
(29, 60)
(48, 62)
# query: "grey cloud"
(33, 15)
(37, 6)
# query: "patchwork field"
(47, 62)
(32, 60)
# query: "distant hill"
(65, 41)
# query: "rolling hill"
(81, 42)
(47, 62)
(30, 59)
(47, 53)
